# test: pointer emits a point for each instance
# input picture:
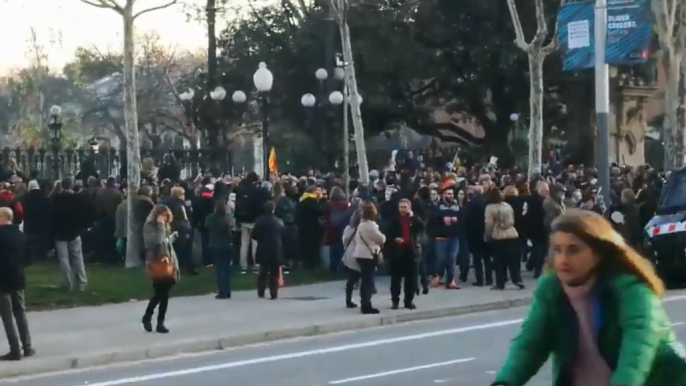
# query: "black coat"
(68, 218)
(12, 245)
(268, 234)
(392, 231)
(36, 213)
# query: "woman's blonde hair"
(177, 192)
(607, 244)
(510, 191)
(157, 211)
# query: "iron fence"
(110, 161)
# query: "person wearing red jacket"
(8, 200)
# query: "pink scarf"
(590, 367)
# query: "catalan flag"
(272, 161)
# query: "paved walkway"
(92, 336)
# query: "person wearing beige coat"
(363, 245)
(503, 240)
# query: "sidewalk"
(95, 336)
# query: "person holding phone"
(158, 239)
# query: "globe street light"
(308, 100)
(264, 80)
(187, 95)
(239, 97)
(218, 94)
(514, 117)
(336, 98)
(55, 126)
(321, 74)
(339, 73)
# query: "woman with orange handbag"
(162, 266)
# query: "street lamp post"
(55, 126)
(264, 80)
(201, 110)
(336, 99)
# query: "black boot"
(395, 304)
(29, 352)
(11, 356)
(161, 328)
(369, 310)
(147, 323)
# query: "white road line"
(303, 354)
(677, 324)
(400, 371)
(324, 351)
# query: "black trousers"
(269, 274)
(367, 267)
(310, 251)
(159, 298)
(404, 271)
(483, 268)
(506, 257)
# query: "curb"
(42, 366)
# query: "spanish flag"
(272, 161)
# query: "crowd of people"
(426, 228)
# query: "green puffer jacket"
(634, 337)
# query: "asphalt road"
(464, 351)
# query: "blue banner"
(630, 26)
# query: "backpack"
(243, 205)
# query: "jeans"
(367, 267)
(70, 257)
(335, 255)
(246, 242)
(222, 259)
(12, 308)
(446, 251)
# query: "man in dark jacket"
(404, 233)
(267, 233)
(107, 199)
(36, 222)
(535, 221)
(203, 206)
(445, 220)
(250, 200)
(481, 260)
(12, 283)
(68, 223)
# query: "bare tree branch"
(554, 41)
(520, 39)
(163, 6)
(106, 4)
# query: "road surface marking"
(330, 350)
(303, 354)
(400, 371)
(677, 324)
(442, 380)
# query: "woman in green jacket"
(598, 312)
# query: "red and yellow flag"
(272, 161)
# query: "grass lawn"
(108, 284)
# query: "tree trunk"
(536, 113)
(133, 154)
(356, 113)
(674, 157)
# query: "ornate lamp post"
(264, 80)
(309, 101)
(55, 126)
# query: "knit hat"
(33, 185)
